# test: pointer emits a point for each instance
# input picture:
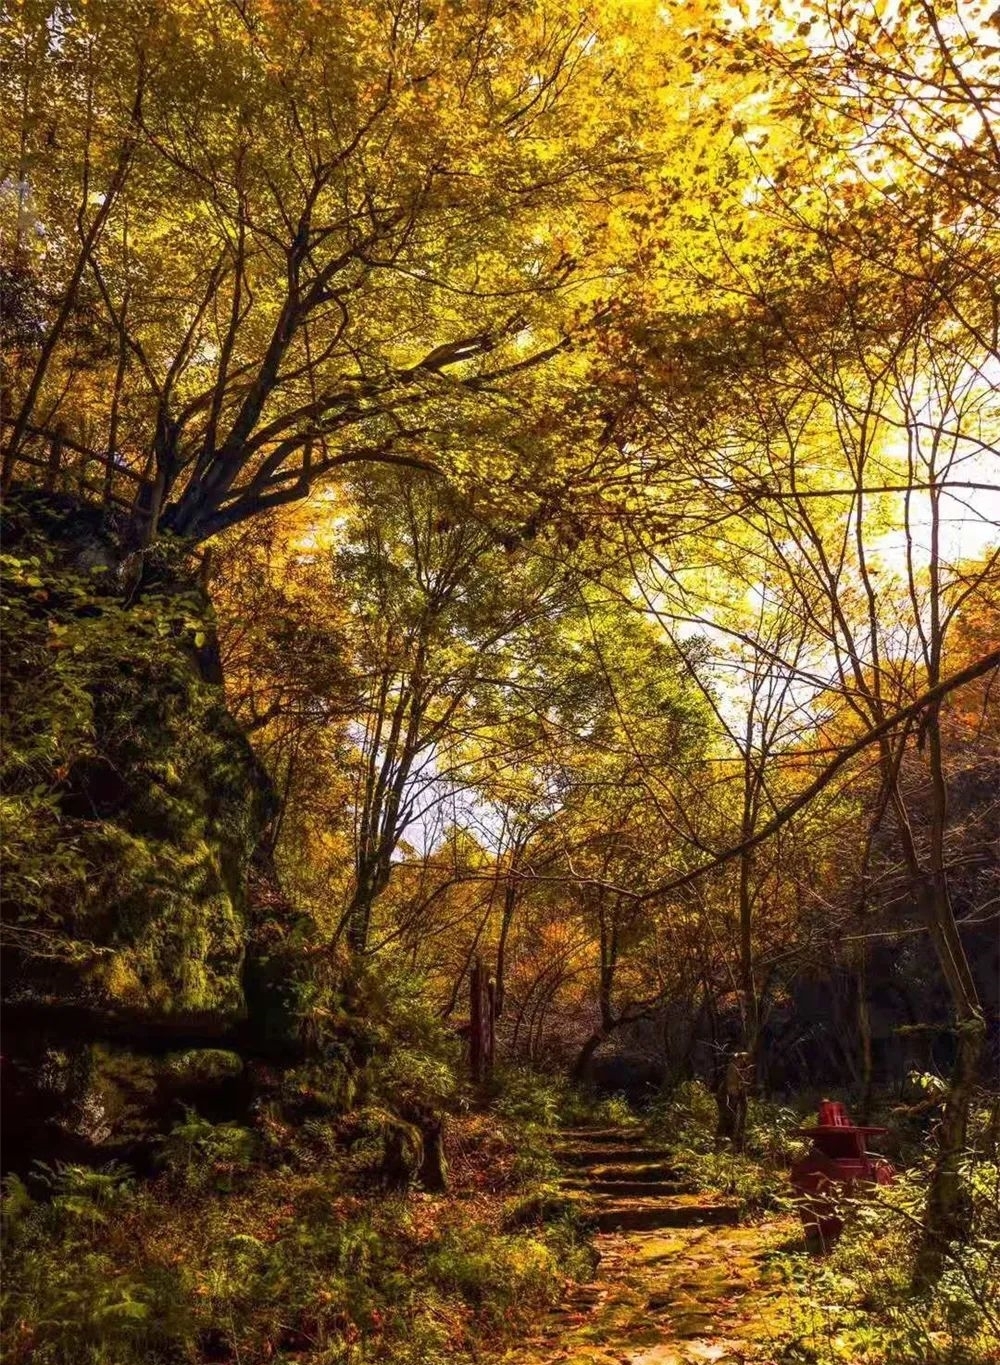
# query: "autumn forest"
(501, 650)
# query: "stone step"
(598, 1135)
(644, 1189)
(610, 1156)
(621, 1216)
(653, 1174)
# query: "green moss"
(204, 1066)
(132, 801)
(388, 1148)
(541, 1206)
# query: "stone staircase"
(622, 1184)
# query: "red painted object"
(837, 1164)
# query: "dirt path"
(680, 1280)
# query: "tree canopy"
(586, 417)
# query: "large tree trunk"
(948, 1211)
(433, 1173)
(359, 913)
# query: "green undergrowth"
(857, 1306)
(228, 1256)
(539, 1100)
(756, 1178)
(307, 1231)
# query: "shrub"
(686, 1117)
(494, 1272)
(199, 1154)
(527, 1096)
(770, 1133)
(67, 1299)
(539, 1207)
(580, 1107)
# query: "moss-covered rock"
(320, 1089)
(133, 802)
(132, 808)
(203, 1066)
(71, 1099)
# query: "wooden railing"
(50, 460)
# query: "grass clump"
(495, 1272)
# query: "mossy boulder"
(132, 806)
(202, 1068)
(133, 803)
(320, 1089)
(77, 1100)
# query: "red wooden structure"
(837, 1164)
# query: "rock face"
(132, 806)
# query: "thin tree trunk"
(948, 1210)
(584, 1058)
(864, 1033)
(481, 1049)
(467, 961)
(507, 919)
